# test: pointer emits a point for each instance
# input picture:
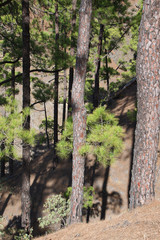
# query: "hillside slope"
(142, 223)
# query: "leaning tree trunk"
(71, 70)
(79, 111)
(98, 64)
(147, 128)
(26, 200)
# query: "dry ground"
(140, 224)
(111, 186)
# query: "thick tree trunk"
(98, 63)
(26, 200)
(79, 111)
(46, 125)
(56, 78)
(147, 128)
(71, 70)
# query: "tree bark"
(2, 162)
(107, 72)
(46, 125)
(98, 63)
(64, 99)
(13, 94)
(79, 111)
(147, 128)
(71, 70)
(56, 78)
(26, 200)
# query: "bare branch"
(10, 62)
(33, 70)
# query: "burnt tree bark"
(147, 128)
(98, 64)
(79, 111)
(64, 98)
(46, 125)
(25, 198)
(56, 78)
(13, 94)
(71, 70)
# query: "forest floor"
(111, 187)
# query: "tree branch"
(5, 3)
(10, 62)
(33, 70)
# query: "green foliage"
(1, 227)
(132, 115)
(65, 145)
(43, 91)
(104, 137)
(11, 128)
(88, 194)
(56, 209)
(114, 86)
(130, 67)
(50, 128)
(24, 235)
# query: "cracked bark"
(147, 128)
(25, 197)
(79, 111)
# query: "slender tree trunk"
(98, 63)
(46, 125)
(71, 70)
(79, 111)
(64, 99)
(26, 200)
(13, 94)
(147, 128)
(56, 78)
(2, 162)
(107, 73)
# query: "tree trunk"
(107, 72)
(98, 63)
(46, 125)
(26, 200)
(71, 70)
(64, 99)
(56, 78)
(79, 111)
(147, 128)
(13, 94)
(2, 162)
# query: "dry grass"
(142, 223)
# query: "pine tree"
(71, 70)
(25, 197)
(147, 128)
(79, 111)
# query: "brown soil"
(140, 224)
(111, 186)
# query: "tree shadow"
(48, 180)
(5, 204)
(104, 193)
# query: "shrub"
(56, 209)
